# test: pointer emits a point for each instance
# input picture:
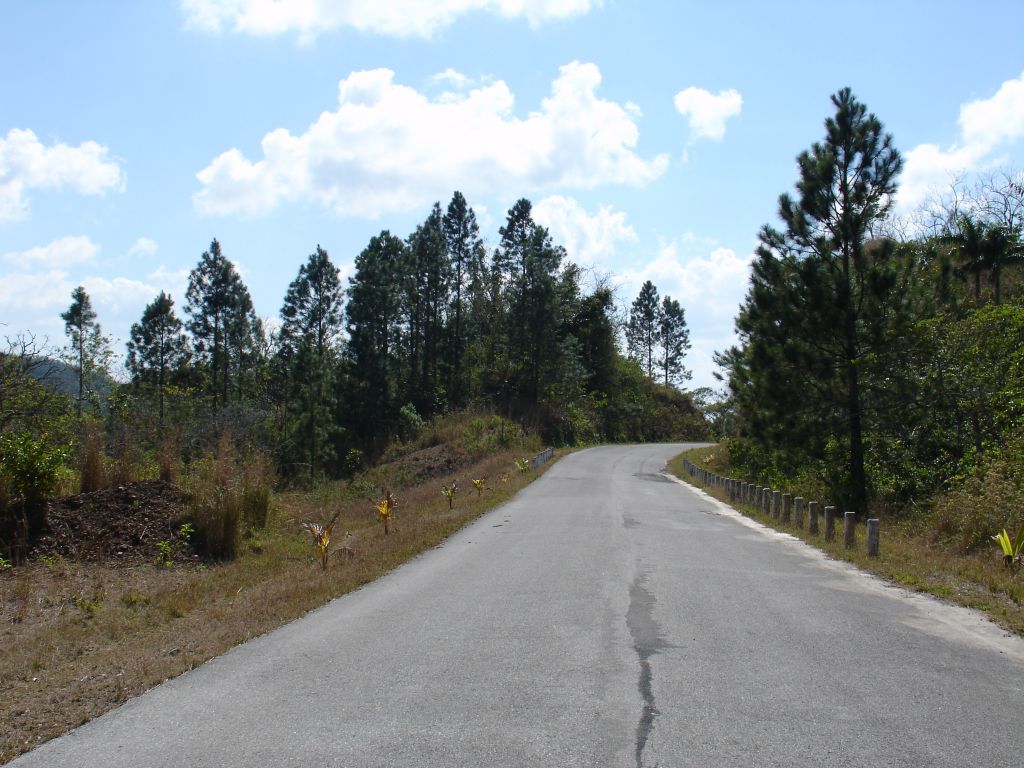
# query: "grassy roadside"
(908, 556)
(78, 639)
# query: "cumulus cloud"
(399, 18)
(588, 239)
(708, 112)
(61, 253)
(388, 147)
(26, 164)
(38, 288)
(144, 246)
(986, 126)
(710, 286)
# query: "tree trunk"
(858, 481)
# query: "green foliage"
(29, 467)
(165, 553)
(988, 499)
(353, 462)
(410, 423)
(1011, 547)
(485, 435)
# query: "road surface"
(607, 616)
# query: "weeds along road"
(607, 616)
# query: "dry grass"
(77, 640)
(910, 555)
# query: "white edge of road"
(936, 616)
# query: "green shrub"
(985, 502)
(486, 435)
(29, 471)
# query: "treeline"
(881, 360)
(427, 324)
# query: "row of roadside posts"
(783, 507)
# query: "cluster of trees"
(426, 324)
(883, 357)
(657, 336)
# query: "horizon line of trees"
(427, 324)
(872, 358)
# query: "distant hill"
(63, 378)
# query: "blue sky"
(652, 137)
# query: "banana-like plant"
(384, 509)
(480, 485)
(321, 533)
(449, 492)
(1011, 547)
(523, 465)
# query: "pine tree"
(157, 346)
(227, 334)
(527, 264)
(425, 300)
(466, 265)
(673, 342)
(89, 350)
(642, 327)
(373, 322)
(822, 301)
(310, 333)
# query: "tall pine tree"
(226, 332)
(311, 327)
(157, 346)
(373, 317)
(642, 327)
(822, 302)
(673, 341)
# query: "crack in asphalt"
(647, 641)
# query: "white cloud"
(400, 18)
(38, 289)
(388, 148)
(986, 125)
(708, 112)
(588, 239)
(711, 286)
(144, 246)
(26, 164)
(452, 78)
(59, 254)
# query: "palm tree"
(1001, 247)
(970, 242)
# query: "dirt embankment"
(119, 525)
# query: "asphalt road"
(607, 616)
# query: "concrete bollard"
(776, 503)
(786, 500)
(812, 517)
(798, 512)
(873, 526)
(766, 500)
(830, 523)
(849, 529)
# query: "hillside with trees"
(427, 325)
(881, 359)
